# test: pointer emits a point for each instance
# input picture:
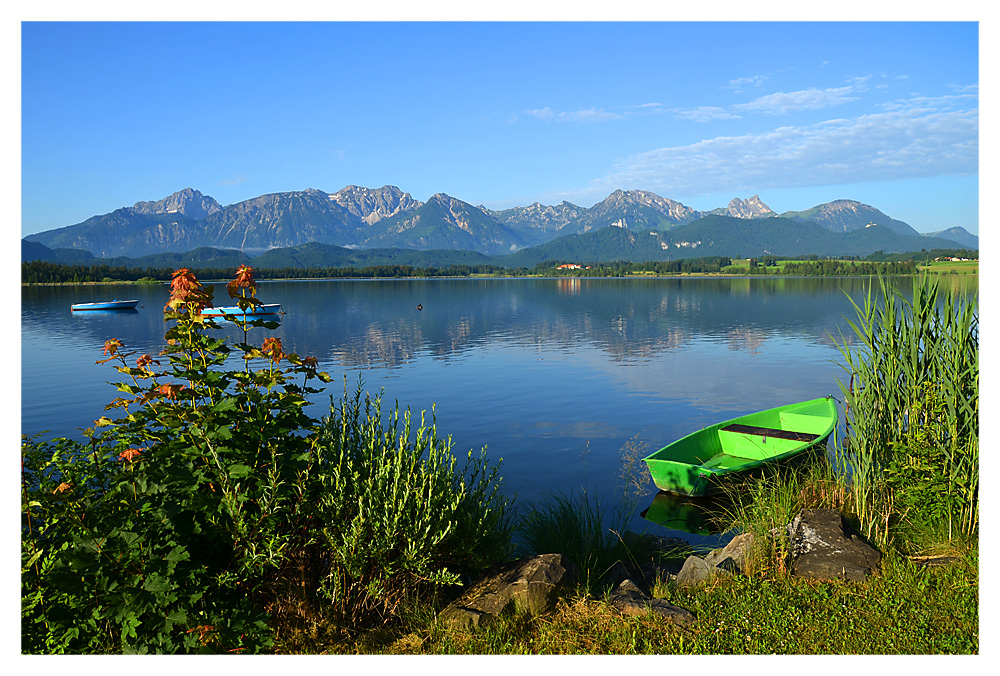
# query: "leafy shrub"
(398, 515)
(203, 515)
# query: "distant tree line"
(834, 268)
(45, 272)
(387, 271)
(925, 256)
(711, 264)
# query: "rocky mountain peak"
(187, 202)
(372, 206)
(446, 201)
(675, 211)
(841, 209)
(751, 208)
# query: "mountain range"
(627, 225)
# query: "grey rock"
(648, 572)
(532, 584)
(728, 560)
(645, 575)
(621, 572)
(733, 557)
(536, 223)
(667, 544)
(631, 600)
(957, 234)
(694, 572)
(664, 571)
(822, 549)
(848, 215)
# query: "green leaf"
(177, 554)
(227, 404)
(156, 583)
(239, 471)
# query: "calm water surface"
(554, 376)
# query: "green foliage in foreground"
(397, 513)
(213, 513)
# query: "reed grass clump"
(595, 537)
(575, 526)
(912, 400)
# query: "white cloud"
(929, 103)
(545, 113)
(739, 83)
(781, 103)
(585, 115)
(705, 114)
(235, 180)
(928, 137)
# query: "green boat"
(701, 462)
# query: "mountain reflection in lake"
(552, 375)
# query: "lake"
(558, 377)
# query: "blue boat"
(235, 312)
(106, 305)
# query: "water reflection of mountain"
(364, 323)
(377, 323)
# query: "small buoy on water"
(420, 306)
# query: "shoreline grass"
(908, 609)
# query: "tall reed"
(912, 443)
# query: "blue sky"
(503, 114)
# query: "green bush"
(204, 518)
(399, 517)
